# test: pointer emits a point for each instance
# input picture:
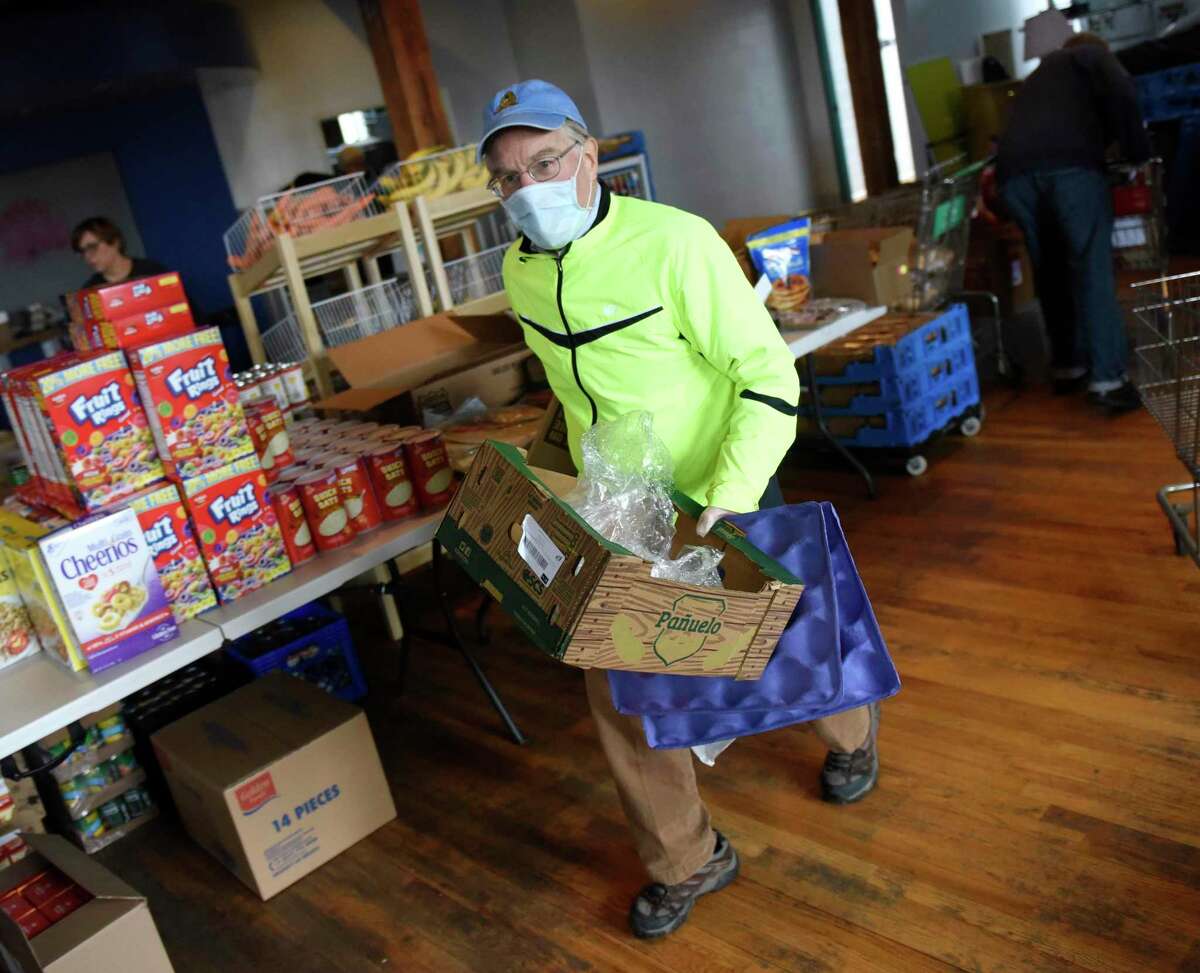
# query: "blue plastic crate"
(924, 345)
(912, 424)
(323, 655)
(953, 362)
(1172, 93)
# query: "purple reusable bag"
(831, 656)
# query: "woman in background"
(102, 245)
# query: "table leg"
(452, 639)
(849, 457)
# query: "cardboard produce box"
(112, 930)
(588, 602)
(275, 779)
(435, 363)
(870, 264)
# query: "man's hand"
(709, 519)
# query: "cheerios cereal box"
(237, 528)
(17, 637)
(186, 386)
(105, 581)
(168, 531)
(92, 413)
(19, 544)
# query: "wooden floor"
(1038, 809)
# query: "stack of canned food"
(349, 477)
(282, 383)
(101, 786)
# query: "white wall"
(547, 41)
(729, 95)
(472, 57)
(714, 86)
(313, 63)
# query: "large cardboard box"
(113, 931)
(870, 264)
(275, 779)
(589, 602)
(435, 364)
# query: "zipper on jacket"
(562, 314)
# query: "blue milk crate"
(923, 345)
(951, 362)
(912, 424)
(318, 649)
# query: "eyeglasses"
(88, 249)
(543, 170)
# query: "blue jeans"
(1066, 216)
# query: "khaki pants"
(669, 821)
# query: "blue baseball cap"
(528, 104)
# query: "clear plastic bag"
(625, 495)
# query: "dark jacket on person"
(1069, 111)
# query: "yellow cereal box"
(19, 540)
(17, 637)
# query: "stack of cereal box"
(91, 589)
(129, 314)
(189, 394)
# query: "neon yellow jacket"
(650, 310)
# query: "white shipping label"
(763, 287)
(538, 551)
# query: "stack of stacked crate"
(896, 382)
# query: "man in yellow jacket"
(632, 305)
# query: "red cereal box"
(146, 326)
(168, 533)
(187, 388)
(112, 302)
(324, 509)
(269, 433)
(66, 902)
(91, 411)
(429, 467)
(357, 495)
(293, 525)
(237, 528)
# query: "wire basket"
(362, 313)
(282, 341)
(435, 173)
(297, 212)
(1166, 360)
(477, 275)
(1139, 235)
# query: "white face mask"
(549, 214)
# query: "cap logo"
(507, 100)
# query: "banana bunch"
(433, 172)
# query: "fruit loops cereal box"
(91, 410)
(187, 389)
(104, 577)
(19, 543)
(17, 637)
(115, 301)
(237, 528)
(146, 326)
(168, 531)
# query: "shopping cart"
(938, 209)
(1139, 234)
(1166, 369)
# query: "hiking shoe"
(1122, 399)
(849, 777)
(661, 909)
